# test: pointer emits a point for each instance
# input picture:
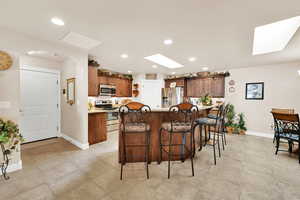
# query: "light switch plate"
(5, 104)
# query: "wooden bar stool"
(182, 122)
(133, 122)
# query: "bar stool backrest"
(134, 111)
(220, 117)
(286, 123)
(283, 111)
(184, 113)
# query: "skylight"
(274, 37)
(164, 61)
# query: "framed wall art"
(71, 91)
(255, 91)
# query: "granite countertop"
(152, 109)
(167, 109)
(95, 110)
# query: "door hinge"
(57, 82)
(57, 105)
(57, 128)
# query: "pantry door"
(39, 101)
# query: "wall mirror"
(71, 91)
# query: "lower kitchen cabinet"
(97, 128)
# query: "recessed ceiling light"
(154, 66)
(124, 56)
(173, 73)
(275, 36)
(192, 59)
(168, 42)
(204, 68)
(164, 61)
(299, 72)
(57, 21)
(129, 71)
(39, 52)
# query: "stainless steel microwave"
(107, 90)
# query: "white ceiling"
(218, 33)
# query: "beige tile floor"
(248, 169)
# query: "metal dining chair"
(281, 111)
(287, 128)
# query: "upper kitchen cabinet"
(217, 87)
(180, 82)
(123, 85)
(93, 81)
(197, 87)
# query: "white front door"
(39, 105)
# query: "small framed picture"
(71, 91)
(255, 91)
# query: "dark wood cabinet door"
(103, 80)
(218, 87)
(97, 128)
(193, 87)
(207, 86)
(198, 87)
(180, 82)
(92, 81)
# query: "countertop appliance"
(104, 104)
(107, 90)
(172, 96)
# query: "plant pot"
(242, 132)
(229, 129)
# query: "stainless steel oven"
(107, 90)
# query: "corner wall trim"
(13, 167)
(75, 142)
(260, 134)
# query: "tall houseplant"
(241, 124)
(230, 115)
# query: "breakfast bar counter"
(155, 119)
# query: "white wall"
(74, 117)
(150, 90)
(282, 90)
(9, 93)
(40, 62)
(17, 45)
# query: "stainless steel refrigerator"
(172, 96)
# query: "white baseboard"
(13, 167)
(260, 134)
(75, 142)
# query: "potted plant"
(242, 124)
(206, 100)
(230, 126)
(10, 138)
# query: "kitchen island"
(155, 119)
